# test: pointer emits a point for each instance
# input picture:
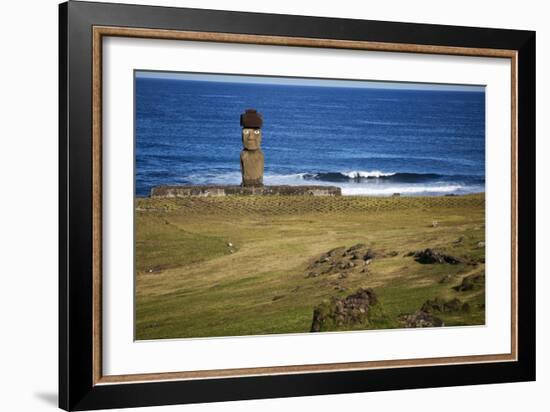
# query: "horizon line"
(303, 81)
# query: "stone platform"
(234, 190)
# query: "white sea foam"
(407, 190)
(372, 187)
(366, 174)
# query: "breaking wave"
(358, 182)
(410, 190)
(360, 175)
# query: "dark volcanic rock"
(341, 261)
(429, 256)
(471, 282)
(339, 313)
(424, 317)
(356, 247)
(440, 305)
(420, 319)
(336, 252)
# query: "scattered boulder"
(481, 244)
(471, 282)
(358, 246)
(346, 265)
(440, 305)
(429, 256)
(459, 240)
(340, 261)
(424, 317)
(337, 251)
(342, 313)
(420, 319)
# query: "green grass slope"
(227, 266)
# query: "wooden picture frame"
(82, 385)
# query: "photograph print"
(282, 205)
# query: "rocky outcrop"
(353, 310)
(429, 256)
(445, 306)
(420, 319)
(471, 282)
(341, 261)
(424, 318)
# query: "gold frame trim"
(101, 31)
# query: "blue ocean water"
(367, 141)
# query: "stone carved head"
(252, 139)
(251, 122)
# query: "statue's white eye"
(256, 132)
(245, 131)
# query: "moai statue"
(252, 157)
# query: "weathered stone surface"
(252, 139)
(234, 190)
(429, 256)
(252, 167)
(420, 319)
(353, 310)
(341, 261)
(252, 157)
(471, 282)
(440, 305)
(424, 317)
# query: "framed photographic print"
(257, 205)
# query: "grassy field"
(227, 266)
